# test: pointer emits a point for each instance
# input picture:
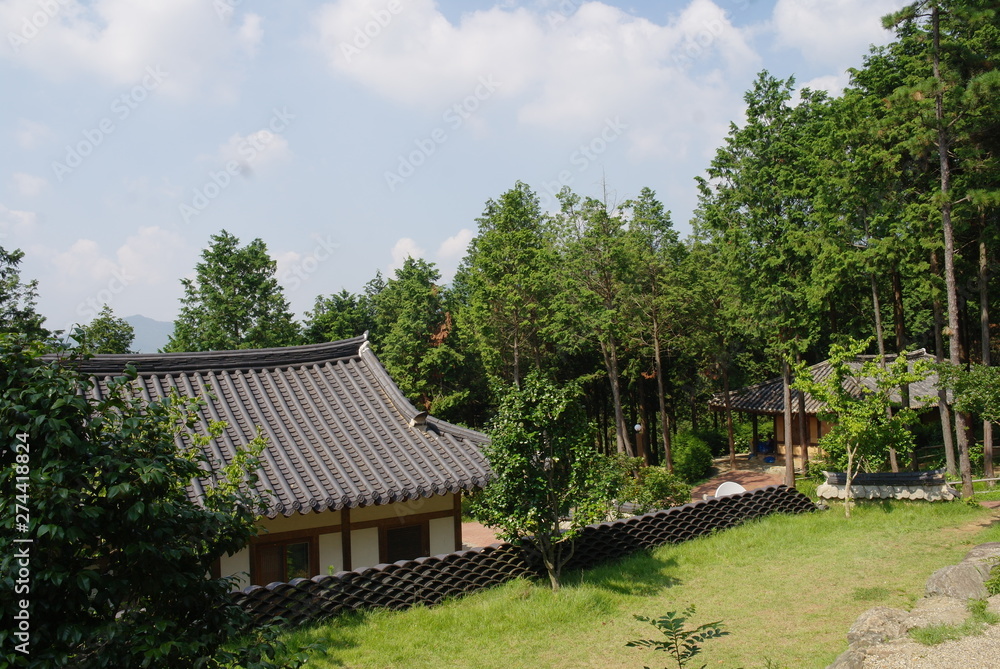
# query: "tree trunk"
(729, 416)
(943, 409)
(984, 324)
(803, 423)
(847, 482)
(610, 352)
(641, 442)
(880, 338)
(661, 397)
(786, 387)
(944, 146)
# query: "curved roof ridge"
(403, 405)
(248, 358)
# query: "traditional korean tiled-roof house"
(356, 474)
(767, 398)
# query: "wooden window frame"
(306, 536)
(383, 538)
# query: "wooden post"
(458, 520)
(345, 537)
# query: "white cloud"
(401, 250)
(256, 150)
(140, 276)
(14, 222)
(454, 247)
(834, 84)
(29, 185)
(833, 33)
(564, 73)
(118, 39)
(30, 134)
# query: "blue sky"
(350, 134)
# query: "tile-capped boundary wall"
(431, 579)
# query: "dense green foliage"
(692, 457)
(17, 299)
(119, 554)
(107, 334)
(234, 302)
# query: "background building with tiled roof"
(767, 399)
(355, 474)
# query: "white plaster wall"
(442, 535)
(230, 565)
(330, 553)
(364, 548)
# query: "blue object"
(769, 459)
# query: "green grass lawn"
(787, 588)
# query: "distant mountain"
(150, 335)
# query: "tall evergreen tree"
(508, 281)
(17, 299)
(415, 340)
(235, 302)
(758, 205)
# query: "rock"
(872, 627)
(852, 658)
(994, 604)
(877, 625)
(963, 581)
(989, 552)
(937, 611)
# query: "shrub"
(692, 457)
(993, 583)
(655, 488)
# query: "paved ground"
(475, 535)
(751, 474)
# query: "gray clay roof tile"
(338, 428)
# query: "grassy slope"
(787, 589)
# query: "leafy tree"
(977, 389)
(507, 277)
(758, 206)
(235, 302)
(414, 336)
(338, 316)
(17, 299)
(120, 552)
(865, 427)
(545, 471)
(656, 295)
(592, 300)
(107, 334)
(954, 93)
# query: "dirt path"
(751, 474)
(475, 535)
